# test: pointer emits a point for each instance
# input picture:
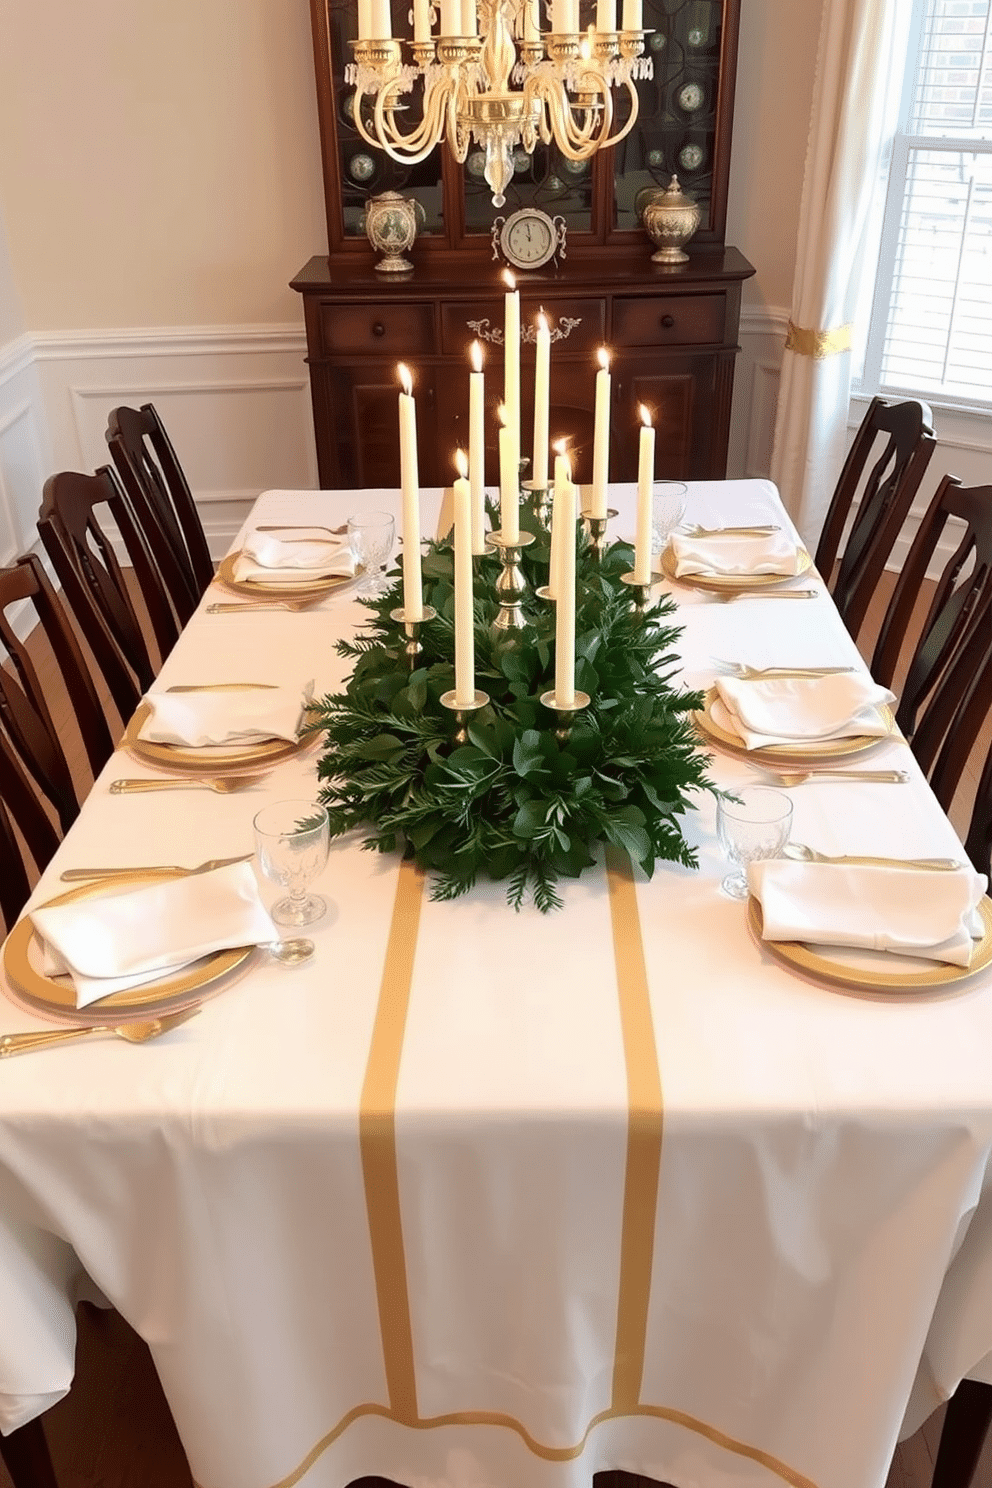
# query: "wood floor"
(114, 1429)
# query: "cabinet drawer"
(576, 325)
(385, 330)
(670, 320)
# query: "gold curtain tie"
(818, 344)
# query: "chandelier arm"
(411, 148)
(635, 105)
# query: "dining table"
(481, 1197)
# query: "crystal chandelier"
(475, 86)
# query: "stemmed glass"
(667, 511)
(755, 826)
(291, 843)
(371, 537)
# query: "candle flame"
(461, 463)
(560, 446)
(509, 280)
(646, 418)
(476, 354)
(604, 358)
(406, 381)
(503, 415)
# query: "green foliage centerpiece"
(519, 801)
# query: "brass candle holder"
(564, 712)
(641, 591)
(413, 647)
(596, 532)
(462, 711)
(511, 586)
(540, 496)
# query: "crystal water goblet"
(291, 844)
(667, 511)
(756, 825)
(371, 536)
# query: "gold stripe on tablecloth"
(645, 1120)
(377, 1135)
(377, 1139)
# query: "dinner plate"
(217, 759)
(806, 752)
(56, 996)
(734, 583)
(255, 588)
(874, 971)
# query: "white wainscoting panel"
(23, 449)
(752, 421)
(236, 403)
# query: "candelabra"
(565, 81)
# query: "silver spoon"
(133, 1033)
(803, 854)
(291, 952)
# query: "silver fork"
(759, 674)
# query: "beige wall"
(778, 42)
(159, 163)
(11, 314)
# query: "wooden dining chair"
(899, 438)
(26, 718)
(162, 502)
(25, 1455)
(93, 583)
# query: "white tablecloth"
(484, 1198)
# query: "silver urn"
(670, 218)
(391, 227)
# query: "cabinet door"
(689, 400)
(363, 414)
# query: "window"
(931, 322)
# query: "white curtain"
(859, 40)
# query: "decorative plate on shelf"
(691, 97)
(715, 724)
(691, 156)
(857, 970)
(733, 583)
(55, 995)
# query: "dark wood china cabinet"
(672, 331)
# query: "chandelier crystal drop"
(476, 84)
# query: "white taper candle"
(601, 437)
(645, 481)
(542, 386)
(464, 615)
(565, 603)
(477, 448)
(509, 481)
(413, 595)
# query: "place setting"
(796, 718)
(298, 567)
(861, 923)
(733, 562)
(226, 734)
(134, 951)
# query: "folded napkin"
(249, 715)
(116, 941)
(788, 710)
(718, 555)
(912, 911)
(303, 558)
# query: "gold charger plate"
(255, 588)
(214, 759)
(46, 994)
(894, 973)
(806, 752)
(734, 583)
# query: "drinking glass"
(667, 511)
(754, 826)
(291, 843)
(371, 535)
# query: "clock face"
(528, 239)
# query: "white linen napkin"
(249, 715)
(788, 710)
(116, 941)
(306, 557)
(720, 555)
(912, 911)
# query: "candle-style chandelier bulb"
(475, 85)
